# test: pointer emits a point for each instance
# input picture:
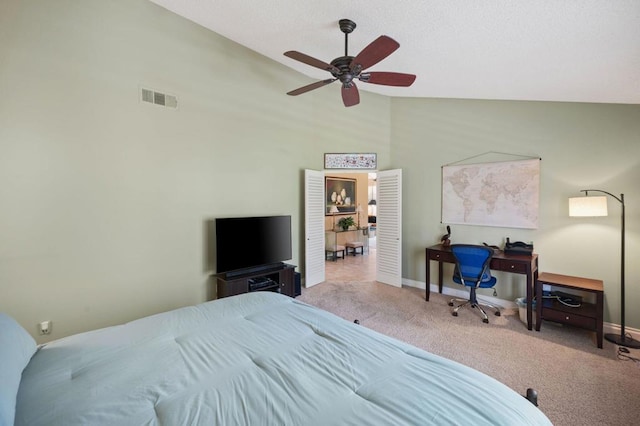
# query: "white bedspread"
(255, 359)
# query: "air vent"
(158, 98)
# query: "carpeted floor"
(577, 383)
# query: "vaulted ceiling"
(543, 50)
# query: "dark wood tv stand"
(278, 278)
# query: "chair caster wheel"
(455, 314)
(485, 320)
(450, 303)
(498, 313)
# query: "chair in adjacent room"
(353, 246)
(332, 252)
(472, 270)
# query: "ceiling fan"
(348, 68)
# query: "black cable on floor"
(624, 354)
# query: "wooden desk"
(525, 265)
(587, 315)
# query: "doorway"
(362, 265)
(388, 231)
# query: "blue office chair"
(472, 270)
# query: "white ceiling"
(547, 50)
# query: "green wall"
(582, 146)
(106, 200)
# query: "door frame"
(397, 280)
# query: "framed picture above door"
(351, 161)
(340, 193)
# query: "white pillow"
(16, 349)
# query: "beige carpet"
(577, 383)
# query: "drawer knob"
(566, 318)
(513, 266)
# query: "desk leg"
(538, 288)
(531, 279)
(427, 269)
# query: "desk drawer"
(569, 318)
(509, 266)
(441, 256)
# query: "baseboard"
(615, 329)
(505, 305)
(509, 305)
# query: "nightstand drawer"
(509, 266)
(569, 318)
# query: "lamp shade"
(334, 209)
(588, 206)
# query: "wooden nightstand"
(587, 315)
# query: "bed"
(254, 359)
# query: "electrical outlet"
(44, 327)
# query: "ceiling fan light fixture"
(346, 68)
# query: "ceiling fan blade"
(388, 78)
(350, 94)
(376, 51)
(311, 86)
(306, 59)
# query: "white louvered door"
(389, 227)
(314, 227)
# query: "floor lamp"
(597, 206)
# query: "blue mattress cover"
(255, 359)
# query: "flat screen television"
(245, 244)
